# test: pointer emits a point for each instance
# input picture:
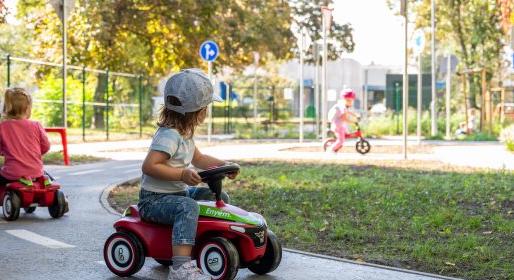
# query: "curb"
(369, 264)
(105, 195)
(105, 204)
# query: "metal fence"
(100, 104)
(277, 114)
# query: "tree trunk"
(99, 97)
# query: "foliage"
(48, 102)
(507, 136)
(307, 13)
(3, 11)
(472, 30)
(158, 36)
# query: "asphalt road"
(39, 247)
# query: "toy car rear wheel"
(328, 143)
(164, 262)
(124, 254)
(272, 257)
(57, 209)
(11, 206)
(29, 210)
(362, 146)
(219, 258)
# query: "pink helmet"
(348, 93)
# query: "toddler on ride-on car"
(167, 195)
(22, 141)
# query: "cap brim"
(216, 98)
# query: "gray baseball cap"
(193, 90)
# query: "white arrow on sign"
(210, 53)
(58, 4)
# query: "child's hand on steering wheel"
(190, 177)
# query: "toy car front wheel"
(29, 210)
(57, 209)
(219, 258)
(362, 146)
(272, 257)
(11, 206)
(123, 254)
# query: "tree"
(156, 37)
(472, 28)
(3, 11)
(307, 13)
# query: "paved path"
(38, 247)
(487, 154)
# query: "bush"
(507, 136)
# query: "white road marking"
(38, 239)
(131, 171)
(100, 262)
(85, 172)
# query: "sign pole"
(448, 92)
(64, 70)
(405, 85)
(316, 87)
(420, 99)
(326, 20)
(209, 110)
(300, 84)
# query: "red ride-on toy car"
(29, 194)
(227, 238)
(362, 145)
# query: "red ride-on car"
(362, 145)
(227, 238)
(29, 194)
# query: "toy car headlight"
(127, 212)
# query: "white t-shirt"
(181, 152)
(334, 115)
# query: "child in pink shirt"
(339, 116)
(22, 141)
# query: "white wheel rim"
(124, 253)
(7, 205)
(215, 260)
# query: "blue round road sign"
(209, 50)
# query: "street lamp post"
(300, 85)
(433, 104)
(326, 20)
(256, 58)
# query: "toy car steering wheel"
(214, 176)
(218, 173)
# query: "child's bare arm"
(203, 161)
(43, 140)
(155, 165)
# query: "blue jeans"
(179, 210)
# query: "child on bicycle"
(22, 141)
(167, 193)
(340, 116)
